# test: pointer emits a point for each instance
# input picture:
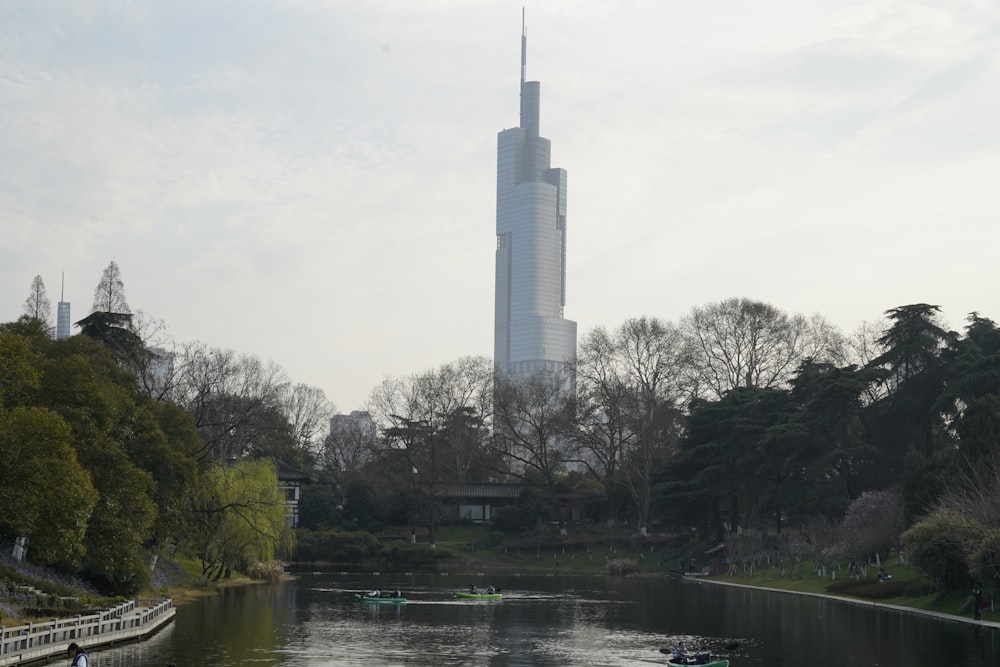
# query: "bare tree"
(231, 397)
(431, 428)
(863, 347)
(654, 354)
(37, 306)
(628, 389)
(532, 418)
(349, 444)
(745, 343)
(602, 432)
(156, 374)
(109, 296)
(821, 340)
(308, 412)
(436, 399)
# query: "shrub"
(336, 546)
(622, 566)
(868, 589)
(939, 546)
(266, 571)
(405, 556)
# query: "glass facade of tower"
(531, 333)
(62, 320)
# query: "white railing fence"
(128, 621)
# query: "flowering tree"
(872, 525)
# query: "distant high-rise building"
(531, 334)
(62, 313)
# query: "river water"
(315, 620)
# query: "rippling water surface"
(315, 620)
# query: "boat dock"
(129, 621)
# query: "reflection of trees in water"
(153, 651)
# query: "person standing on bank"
(80, 657)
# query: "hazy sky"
(314, 181)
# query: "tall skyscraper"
(530, 334)
(62, 313)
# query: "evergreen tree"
(109, 296)
(37, 306)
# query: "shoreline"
(953, 618)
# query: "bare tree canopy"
(233, 399)
(109, 296)
(532, 419)
(628, 386)
(744, 343)
(349, 444)
(431, 427)
(308, 412)
(37, 306)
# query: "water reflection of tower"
(530, 333)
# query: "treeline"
(739, 416)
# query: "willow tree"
(238, 518)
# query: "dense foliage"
(739, 420)
(101, 472)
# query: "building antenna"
(62, 289)
(524, 46)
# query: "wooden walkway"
(129, 621)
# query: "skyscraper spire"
(524, 47)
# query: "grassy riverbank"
(473, 549)
(907, 588)
(30, 593)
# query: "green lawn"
(468, 543)
(803, 578)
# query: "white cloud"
(314, 182)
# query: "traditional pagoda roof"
(287, 473)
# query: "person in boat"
(397, 594)
(375, 594)
(490, 590)
(680, 653)
(472, 589)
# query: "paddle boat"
(379, 600)
(722, 662)
(702, 657)
(466, 595)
